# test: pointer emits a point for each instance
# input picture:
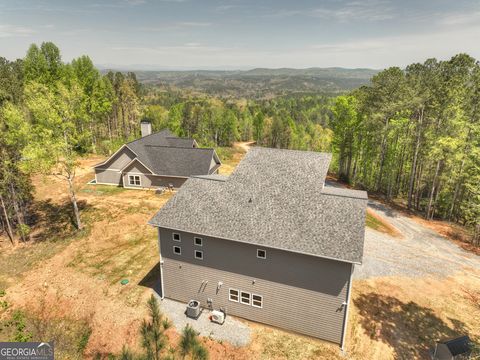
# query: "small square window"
(257, 301)
(199, 254)
(233, 295)
(177, 250)
(245, 298)
(198, 241)
(176, 237)
(261, 254)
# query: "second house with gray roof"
(156, 160)
(270, 243)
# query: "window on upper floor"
(176, 237)
(198, 241)
(261, 254)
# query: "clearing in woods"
(68, 279)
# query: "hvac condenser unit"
(218, 317)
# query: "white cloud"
(369, 10)
(175, 26)
(193, 24)
(372, 10)
(459, 18)
(135, 2)
(15, 31)
(373, 52)
(400, 50)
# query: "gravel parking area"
(233, 331)
(420, 252)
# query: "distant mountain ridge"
(259, 82)
(315, 71)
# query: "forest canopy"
(411, 134)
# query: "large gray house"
(270, 243)
(155, 160)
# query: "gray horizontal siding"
(300, 293)
(154, 181)
(304, 311)
(119, 160)
(108, 177)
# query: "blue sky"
(244, 34)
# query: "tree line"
(411, 134)
(415, 134)
(51, 113)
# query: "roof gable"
(162, 153)
(137, 166)
(118, 159)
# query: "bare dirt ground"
(413, 289)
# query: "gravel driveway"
(419, 252)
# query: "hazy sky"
(244, 34)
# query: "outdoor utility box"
(218, 317)
(193, 309)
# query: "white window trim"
(179, 237)
(176, 246)
(249, 298)
(263, 258)
(195, 241)
(261, 301)
(134, 180)
(230, 295)
(195, 254)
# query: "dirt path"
(244, 145)
(420, 252)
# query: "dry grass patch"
(379, 223)
(272, 343)
(230, 157)
(402, 318)
(80, 271)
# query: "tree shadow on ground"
(409, 328)
(383, 208)
(152, 279)
(56, 221)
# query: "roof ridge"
(175, 147)
(313, 153)
(155, 133)
(177, 137)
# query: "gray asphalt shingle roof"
(275, 198)
(166, 154)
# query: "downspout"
(162, 295)
(347, 305)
